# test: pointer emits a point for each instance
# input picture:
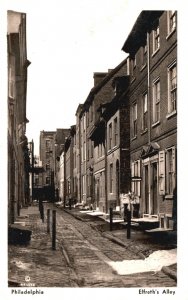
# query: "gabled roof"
(143, 24)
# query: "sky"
(67, 41)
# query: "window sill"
(112, 149)
(144, 131)
(133, 79)
(134, 138)
(170, 33)
(169, 197)
(171, 114)
(155, 52)
(143, 67)
(155, 124)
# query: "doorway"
(146, 191)
(154, 189)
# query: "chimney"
(98, 77)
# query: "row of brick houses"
(18, 152)
(123, 146)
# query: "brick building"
(47, 157)
(152, 48)
(18, 154)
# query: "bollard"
(111, 218)
(48, 220)
(42, 212)
(125, 212)
(128, 224)
(54, 230)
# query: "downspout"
(105, 157)
(148, 89)
(149, 118)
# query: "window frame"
(171, 27)
(134, 119)
(172, 105)
(145, 111)
(111, 178)
(110, 142)
(156, 118)
(156, 39)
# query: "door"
(117, 184)
(146, 210)
(97, 187)
(154, 189)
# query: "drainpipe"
(148, 89)
(149, 118)
(105, 155)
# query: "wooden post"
(128, 224)
(111, 218)
(125, 212)
(54, 230)
(48, 220)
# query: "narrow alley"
(82, 257)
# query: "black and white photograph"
(91, 153)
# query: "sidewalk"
(141, 243)
(29, 263)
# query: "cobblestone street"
(81, 257)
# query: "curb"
(165, 270)
(169, 272)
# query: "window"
(48, 143)
(133, 67)
(144, 55)
(47, 180)
(134, 117)
(156, 101)
(172, 88)
(84, 151)
(170, 170)
(115, 131)
(145, 112)
(110, 135)
(156, 39)
(84, 122)
(171, 17)
(11, 83)
(135, 174)
(48, 166)
(111, 178)
(92, 149)
(167, 171)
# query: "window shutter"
(132, 186)
(162, 172)
(139, 168)
(132, 169)
(174, 165)
(138, 188)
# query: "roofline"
(142, 25)
(97, 88)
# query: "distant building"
(18, 154)
(51, 145)
(47, 157)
